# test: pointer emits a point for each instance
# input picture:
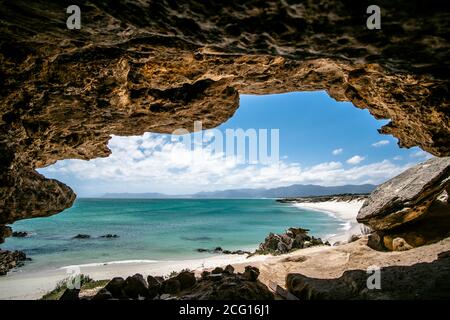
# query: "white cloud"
(355, 159)
(153, 163)
(397, 158)
(337, 151)
(421, 154)
(380, 143)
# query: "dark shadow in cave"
(426, 280)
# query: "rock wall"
(411, 209)
(137, 66)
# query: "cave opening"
(324, 146)
(139, 66)
(312, 132)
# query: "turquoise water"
(158, 229)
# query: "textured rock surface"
(292, 239)
(115, 287)
(229, 286)
(140, 66)
(20, 234)
(419, 281)
(225, 285)
(5, 232)
(406, 197)
(431, 227)
(10, 260)
(135, 286)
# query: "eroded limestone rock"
(432, 227)
(411, 209)
(426, 280)
(292, 239)
(406, 197)
(157, 66)
(10, 260)
(226, 285)
(5, 232)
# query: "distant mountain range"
(295, 190)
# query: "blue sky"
(321, 141)
(312, 125)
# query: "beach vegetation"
(86, 283)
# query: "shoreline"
(20, 284)
(343, 210)
(34, 284)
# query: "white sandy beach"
(22, 284)
(33, 285)
(346, 211)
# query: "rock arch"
(157, 66)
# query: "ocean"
(158, 229)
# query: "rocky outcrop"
(432, 227)
(411, 209)
(115, 287)
(135, 287)
(292, 239)
(335, 197)
(221, 284)
(5, 232)
(20, 234)
(407, 196)
(139, 66)
(419, 281)
(220, 250)
(10, 260)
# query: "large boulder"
(135, 287)
(251, 273)
(115, 287)
(406, 197)
(154, 286)
(229, 269)
(411, 209)
(186, 279)
(217, 270)
(171, 286)
(432, 227)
